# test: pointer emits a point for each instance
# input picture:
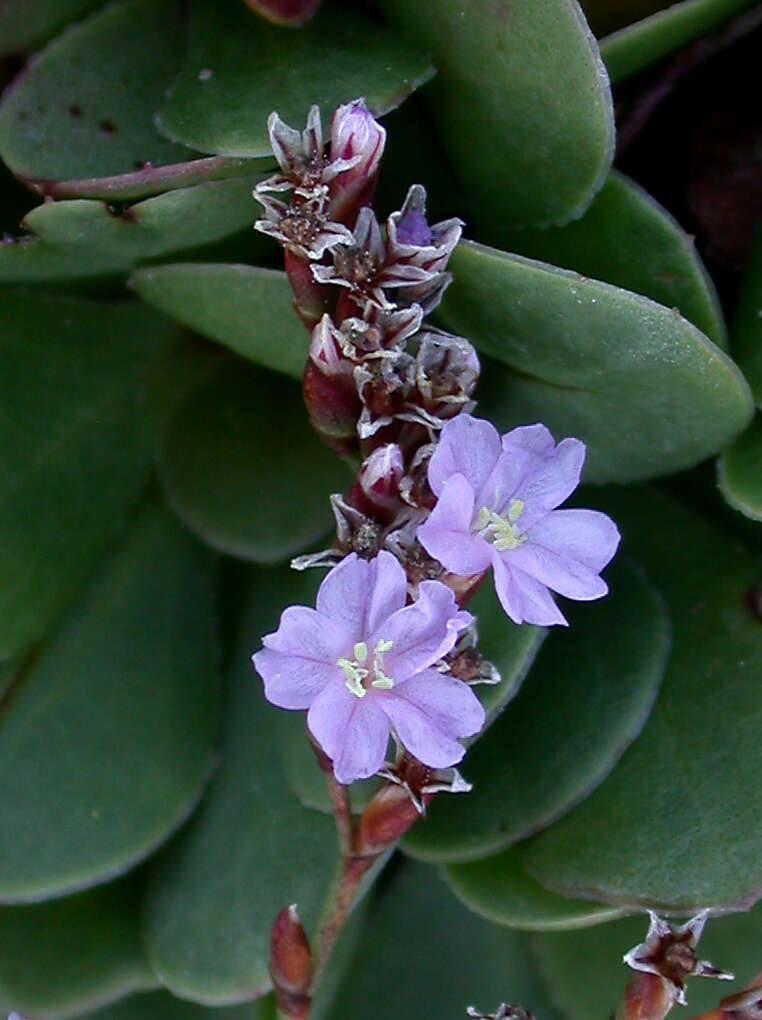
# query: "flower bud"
(310, 299)
(290, 963)
(357, 145)
(387, 817)
(285, 12)
(376, 492)
(420, 252)
(329, 389)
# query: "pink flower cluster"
(440, 497)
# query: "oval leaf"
(522, 103)
(162, 1006)
(632, 48)
(83, 238)
(627, 239)
(107, 743)
(248, 309)
(689, 783)
(499, 889)
(739, 472)
(243, 469)
(459, 958)
(564, 731)
(75, 444)
(249, 70)
(251, 850)
(73, 954)
(26, 23)
(746, 337)
(85, 106)
(642, 387)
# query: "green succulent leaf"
(739, 472)
(627, 239)
(642, 387)
(585, 972)
(84, 238)
(73, 954)
(459, 958)
(243, 469)
(638, 45)
(252, 848)
(77, 433)
(746, 335)
(522, 103)
(162, 1006)
(84, 108)
(250, 310)
(107, 742)
(26, 23)
(499, 889)
(688, 784)
(248, 71)
(586, 699)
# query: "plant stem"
(342, 806)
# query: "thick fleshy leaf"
(522, 103)
(73, 954)
(85, 106)
(162, 1006)
(457, 959)
(689, 783)
(627, 239)
(499, 889)
(584, 969)
(239, 68)
(242, 468)
(83, 238)
(75, 386)
(739, 472)
(643, 388)
(107, 743)
(585, 700)
(746, 335)
(251, 850)
(638, 45)
(26, 23)
(248, 309)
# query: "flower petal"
(523, 598)
(352, 731)
(291, 681)
(446, 533)
(467, 446)
(566, 550)
(550, 480)
(429, 711)
(422, 632)
(357, 593)
(536, 439)
(299, 658)
(307, 633)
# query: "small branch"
(340, 800)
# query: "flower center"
(503, 532)
(358, 671)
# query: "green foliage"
(590, 692)
(594, 361)
(156, 811)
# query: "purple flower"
(496, 507)
(361, 663)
